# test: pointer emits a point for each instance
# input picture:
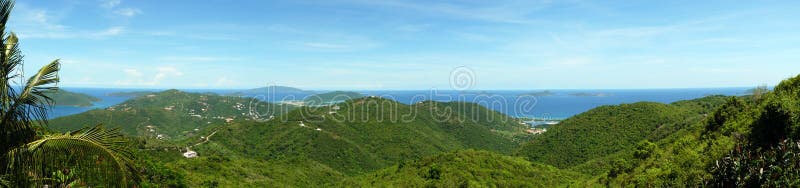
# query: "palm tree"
(29, 156)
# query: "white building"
(189, 153)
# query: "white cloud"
(515, 12)
(323, 45)
(138, 78)
(113, 31)
(110, 3)
(113, 6)
(133, 73)
(164, 72)
(128, 12)
(31, 22)
(224, 81)
(197, 59)
(337, 45)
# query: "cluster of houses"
(536, 130)
(121, 107)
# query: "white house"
(189, 153)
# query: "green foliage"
(777, 120)
(644, 150)
(768, 156)
(778, 166)
(733, 107)
(466, 168)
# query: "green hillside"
(599, 132)
(172, 114)
(371, 141)
(590, 141)
(66, 98)
(362, 136)
(469, 168)
(367, 134)
(331, 97)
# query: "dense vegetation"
(469, 168)
(65, 98)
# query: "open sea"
(555, 105)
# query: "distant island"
(66, 98)
(539, 94)
(270, 89)
(131, 94)
(584, 94)
(331, 97)
(476, 92)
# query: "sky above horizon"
(392, 44)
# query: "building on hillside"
(333, 110)
(189, 153)
(536, 131)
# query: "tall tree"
(30, 157)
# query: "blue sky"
(370, 44)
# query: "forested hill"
(369, 133)
(66, 98)
(173, 114)
(609, 129)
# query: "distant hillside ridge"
(271, 90)
(66, 98)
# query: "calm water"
(561, 104)
(101, 93)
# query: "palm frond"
(31, 105)
(95, 153)
(4, 182)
